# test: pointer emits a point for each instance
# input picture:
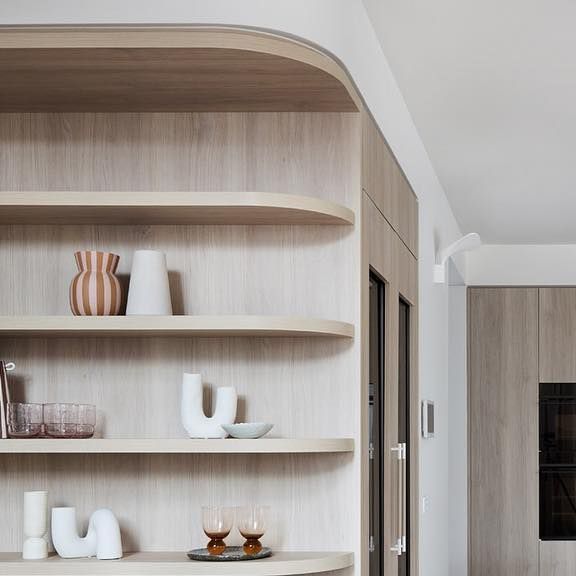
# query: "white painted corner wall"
(522, 265)
(344, 28)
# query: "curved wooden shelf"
(167, 69)
(168, 208)
(176, 564)
(176, 446)
(174, 326)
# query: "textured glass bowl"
(69, 420)
(24, 420)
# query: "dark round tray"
(231, 554)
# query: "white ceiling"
(491, 86)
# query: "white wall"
(457, 402)
(522, 265)
(342, 27)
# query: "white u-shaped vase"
(102, 539)
(195, 422)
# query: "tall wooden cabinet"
(503, 432)
(519, 339)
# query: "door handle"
(400, 546)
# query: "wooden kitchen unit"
(522, 410)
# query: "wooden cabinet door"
(557, 558)
(503, 431)
(387, 186)
(557, 334)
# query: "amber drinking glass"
(252, 523)
(217, 523)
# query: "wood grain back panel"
(305, 387)
(503, 431)
(294, 153)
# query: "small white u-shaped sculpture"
(195, 422)
(102, 539)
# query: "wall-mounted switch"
(427, 419)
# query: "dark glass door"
(557, 503)
(376, 426)
(557, 424)
(404, 431)
(557, 461)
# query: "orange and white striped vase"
(95, 291)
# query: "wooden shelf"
(174, 326)
(176, 446)
(167, 69)
(228, 208)
(176, 564)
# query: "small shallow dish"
(248, 430)
(231, 554)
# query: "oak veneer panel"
(557, 558)
(230, 208)
(201, 326)
(386, 184)
(557, 334)
(503, 431)
(164, 80)
(174, 446)
(304, 154)
(176, 564)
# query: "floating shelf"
(203, 326)
(176, 446)
(168, 208)
(176, 564)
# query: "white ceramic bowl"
(247, 430)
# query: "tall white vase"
(102, 539)
(35, 525)
(195, 422)
(149, 290)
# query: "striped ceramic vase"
(95, 291)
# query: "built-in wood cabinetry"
(386, 184)
(389, 225)
(557, 558)
(519, 338)
(557, 334)
(503, 431)
(253, 164)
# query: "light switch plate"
(427, 419)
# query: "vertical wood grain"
(557, 334)
(503, 431)
(557, 558)
(305, 387)
(384, 181)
